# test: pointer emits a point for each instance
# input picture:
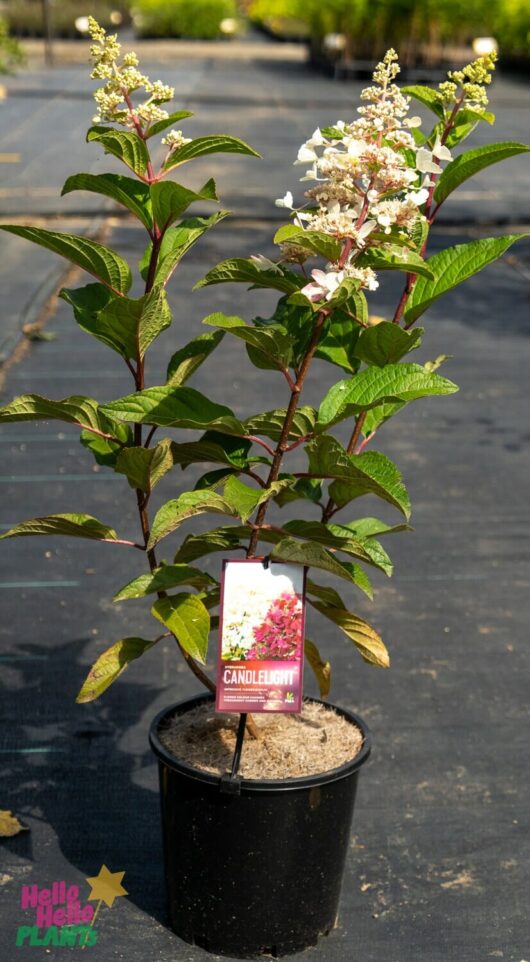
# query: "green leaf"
(110, 665)
(366, 639)
(173, 513)
(164, 578)
(125, 145)
(218, 539)
(211, 144)
(272, 341)
(312, 555)
(179, 407)
(74, 410)
(240, 269)
(145, 467)
(188, 620)
(321, 669)
(162, 125)
(271, 423)
(400, 259)
(243, 500)
(105, 451)
(373, 527)
(170, 200)
(395, 382)
(324, 534)
(356, 474)
(127, 191)
(377, 554)
(102, 262)
(214, 448)
(329, 595)
(315, 242)
(123, 324)
(70, 525)
(177, 241)
(186, 360)
(471, 162)
(386, 343)
(427, 96)
(379, 415)
(338, 341)
(454, 265)
(303, 488)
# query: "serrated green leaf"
(454, 265)
(325, 534)
(377, 554)
(176, 242)
(105, 451)
(373, 527)
(244, 500)
(145, 467)
(179, 407)
(471, 162)
(164, 578)
(329, 595)
(102, 262)
(162, 125)
(356, 474)
(124, 324)
(303, 488)
(110, 665)
(214, 448)
(312, 241)
(187, 359)
(125, 145)
(69, 525)
(188, 620)
(173, 513)
(74, 410)
(395, 382)
(386, 343)
(427, 96)
(311, 554)
(243, 270)
(210, 144)
(272, 342)
(379, 415)
(400, 259)
(320, 668)
(338, 341)
(170, 200)
(270, 424)
(366, 639)
(218, 539)
(127, 191)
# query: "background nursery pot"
(258, 872)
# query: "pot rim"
(251, 784)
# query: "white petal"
(443, 153)
(313, 292)
(264, 264)
(413, 122)
(305, 155)
(316, 139)
(424, 162)
(285, 201)
(417, 197)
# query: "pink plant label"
(261, 637)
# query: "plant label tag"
(261, 637)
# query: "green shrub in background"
(196, 19)
(11, 53)
(370, 25)
(511, 27)
(25, 17)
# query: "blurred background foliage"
(422, 30)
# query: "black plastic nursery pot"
(255, 869)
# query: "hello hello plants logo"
(59, 916)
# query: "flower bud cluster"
(470, 83)
(121, 81)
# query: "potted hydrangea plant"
(254, 863)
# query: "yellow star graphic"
(106, 886)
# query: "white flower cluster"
(121, 80)
(370, 181)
